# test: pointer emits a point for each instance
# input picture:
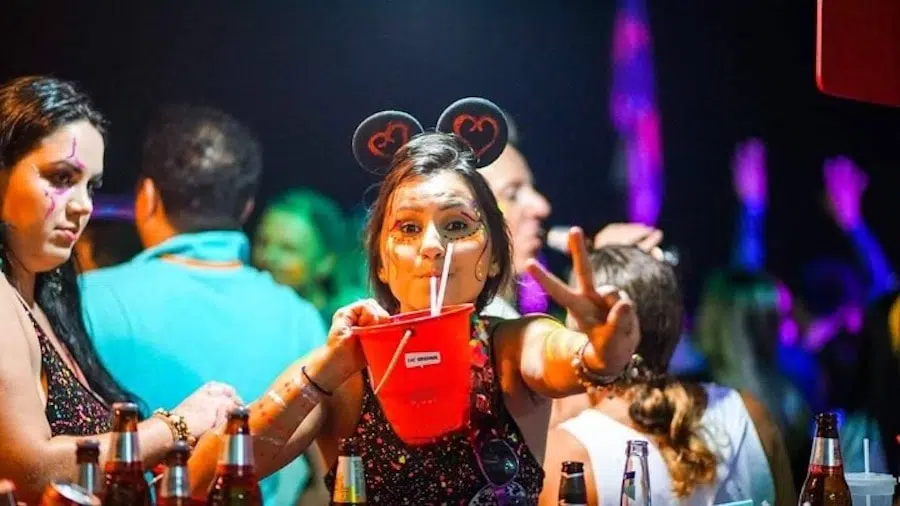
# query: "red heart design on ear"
(380, 143)
(473, 125)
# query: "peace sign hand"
(605, 314)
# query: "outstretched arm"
(290, 415)
(845, 184)
(555, 361)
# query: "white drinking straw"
(433, 294)
(444, 273)
(866, 453)
(866, 463)
(394, 359)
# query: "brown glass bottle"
(236, 483)
(124, 483)
(7, 493)
(825, 484)
(87, 456)
(175, 489)
(62, 493)
(350, 477)
(572, 489)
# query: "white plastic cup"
(878, 487)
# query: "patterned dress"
(486, 463)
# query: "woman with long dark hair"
(53, 389)
(738, 330)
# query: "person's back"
(742, 471)
(188, 309)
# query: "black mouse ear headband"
(476, 121)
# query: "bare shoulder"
(562, 446)
(17, 349)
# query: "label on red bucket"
(422, 359)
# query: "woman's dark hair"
(664, 408)
(31, 108)
(738, 330)
(424, 156)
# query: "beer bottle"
(350, 477)
(825, 484)
(636, 478)
(175, 489)
(7, 493)
(87, 455)
(61, 493)
(572, 490)
(236, 483)
(124, 483)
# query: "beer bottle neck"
(238, 452)
(572, 490)
(89, 476)
(635, 481)
(350, 481)
(125, 448)
(175, 482)
(826, 452)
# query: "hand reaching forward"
(606, 315)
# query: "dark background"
(302, 74)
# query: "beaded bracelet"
(177, 425)
(591, 381)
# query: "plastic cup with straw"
(876, 488)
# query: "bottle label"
(628, 485)
(175, 483)
(826, 452)
(350, 481)
(126, 448)
(238, 451)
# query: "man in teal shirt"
(189, 309)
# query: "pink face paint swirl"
(72, 158)
(53, 195)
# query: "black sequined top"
(72, 409)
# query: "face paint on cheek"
(53, 196)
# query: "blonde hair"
(670, 411)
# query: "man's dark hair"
(205, 164)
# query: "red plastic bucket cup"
(426, 393)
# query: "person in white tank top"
(708, 444)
